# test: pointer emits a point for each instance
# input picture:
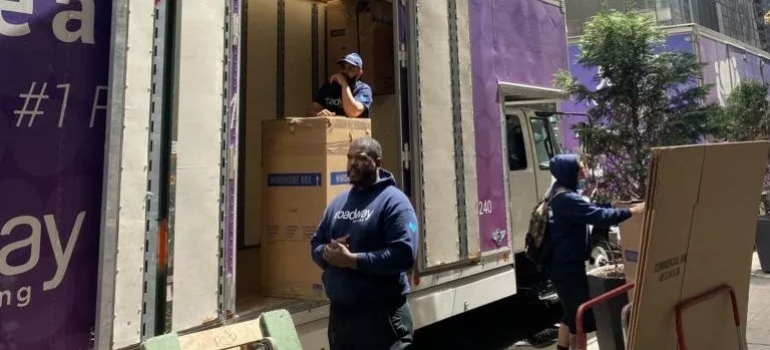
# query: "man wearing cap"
(345, 94)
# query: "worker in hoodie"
(570, 239)
(365, 245)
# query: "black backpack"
(537, 242)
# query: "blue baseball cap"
(353, 59)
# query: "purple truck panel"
(53, 98)
(587, 77)
(519, 41)
(726, 66)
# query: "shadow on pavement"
(496, 326)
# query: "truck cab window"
(517, 152)
(543, 143)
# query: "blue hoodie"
(382, 226)
(570, 215)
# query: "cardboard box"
(341, 32)
(368, 30)
(630, 236)
(304, 164)
(375, 30)
(698, 234)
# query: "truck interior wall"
(291, 80)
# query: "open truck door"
(443, 137)
(162, 176)
(522, 176)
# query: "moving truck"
(174, 237)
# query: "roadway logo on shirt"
(334, 102)
(354, 215)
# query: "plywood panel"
(133, 177)
(260, 85)
(298, 60)
(199, 111)
(439, 187)
(469, 133)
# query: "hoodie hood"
(564, 169)
(385, 180)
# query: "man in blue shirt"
(570, 240)
(345, 94)
(366, 244)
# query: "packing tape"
(304, 149)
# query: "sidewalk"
(758, 320)
(758, 323)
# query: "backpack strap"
(557, 191)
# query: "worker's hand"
(338, 254)
(325, 113)
(340, 241)
(339, 79)
(638, 209)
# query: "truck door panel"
(521, 176)
(444, 171)
(542, 151)
(440, 242)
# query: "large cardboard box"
(698, 233)
(304, 164)
(368, 30)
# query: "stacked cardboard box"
(366, 28)
(630, 234)
(305, 164)
(697, 234)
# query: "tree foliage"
(646, 97)
(746, 117)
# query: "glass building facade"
(739, 19)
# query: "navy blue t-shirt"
(330, 97)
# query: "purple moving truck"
(130, 153)
(53, 96)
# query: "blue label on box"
(632, 255)
(339, 178)
(294, 180)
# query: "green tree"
(746, 117)
(650, 98)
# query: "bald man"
(365, 245)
